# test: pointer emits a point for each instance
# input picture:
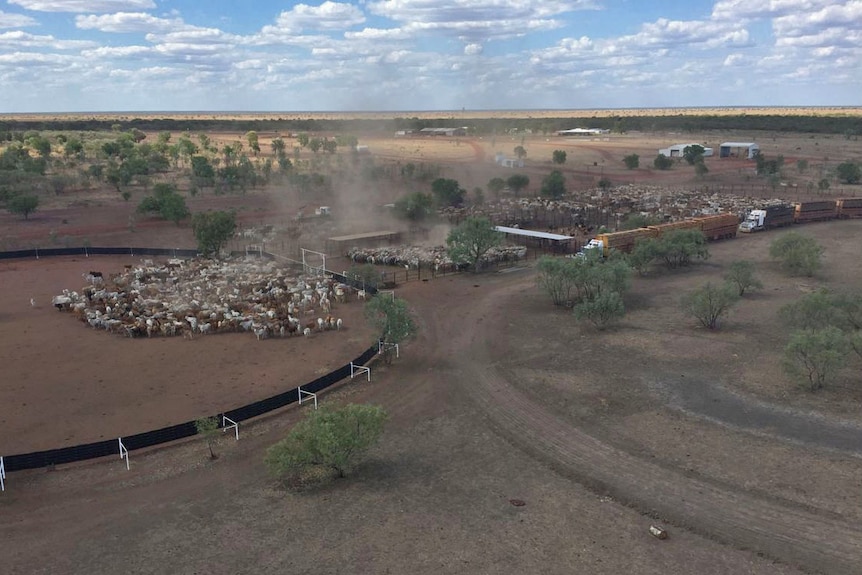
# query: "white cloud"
(327, 16)
(473, 49)
(127, 22)
(734, 60)
(475, 20)
(108, 52)
(17, 39)
(33, 58)
(9, 20)
(735, 10)
(90, 6)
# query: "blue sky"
(403, 55)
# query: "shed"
(543, 240)
(677, 150)
(734, 149)
(341, 244)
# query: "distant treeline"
(846, 125)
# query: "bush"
(849, 172)
(632, 161)
(678, 247)
(815, 356)
(603, 310)
(741, 274)
(332, 440)
(709, 303)
(662, 162)
(797, 254)
(208, 428)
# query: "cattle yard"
(500, 399)
(105, 364)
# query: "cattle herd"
(437, 258)
(201, 296)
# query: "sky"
(418, 55)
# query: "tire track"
(817, 540)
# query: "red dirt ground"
(67, 384)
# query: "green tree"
(278, 146)
(741, 274)
(391, 318)
(174, 209)
(815, 356)
(415, 207)
(632, 161)
(213, 230)
(303, 140)
(520, 152)
(813, 311)
(557, 277)
(849, 172)
(554, 185)
(208, 428)
(797, 254)
(709, 303)
(314, 144)
(330, 439)
(605, 184)
(330, 146)
(570, 281)
(448, 192)
(471, 241)
(643, 255)
(517, 182)
(496, 185)
(23, 204)
(41, 145)
(662, 162)
(700, 169)
(559, 156)
(203, 171)
(802, 166)
(823, 184)
(603, 310)
(678, 247)
(253, 142)
(693, 154)
(74, 147)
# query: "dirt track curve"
(814, 539)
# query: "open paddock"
(65, 383)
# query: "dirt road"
(809, 537)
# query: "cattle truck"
(768, 217)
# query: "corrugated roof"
(533, 234)
(738, 144)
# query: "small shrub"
(709, 303)
(815, 356)
(797, 254)
(603, 310)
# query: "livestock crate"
(719, 226)
(625, 241)
(816, 211)
(660, 229)
(850, 208)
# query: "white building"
(677, 150)
(735, 149)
